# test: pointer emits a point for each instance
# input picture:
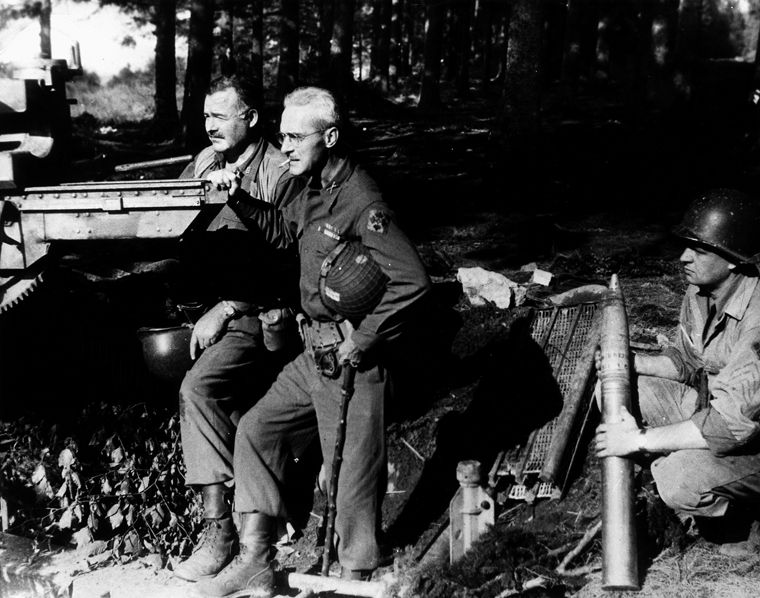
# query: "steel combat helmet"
(726, 220)
(351, 282)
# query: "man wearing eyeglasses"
(341, 203)
(238, 277)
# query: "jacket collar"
(251, 163)
(331, 190)
(734, 300)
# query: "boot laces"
(210, 531)
(240, 560)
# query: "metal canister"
(274, 327)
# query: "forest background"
(507, 131)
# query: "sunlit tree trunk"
(287, 72)
(430, 93)
(341, 76)
(381, 46)
(225, 51)
(257, 45)
(199, 58)
(326, 16)
(46, 9)
(165, 119)
(522, 84)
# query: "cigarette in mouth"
(284, 163)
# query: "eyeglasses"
(296, 138)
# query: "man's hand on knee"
(208, 329)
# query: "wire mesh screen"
(562, 333)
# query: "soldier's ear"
(254, 116)
(331, 136)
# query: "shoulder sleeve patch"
(378, 221)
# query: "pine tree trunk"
(326, 18)
(487, 33)
(397, 40)
(464, 22)
(46, 9)
(430, 93)
(687, 45)
(225, 50)
(165, 119)
(257, 46)
(572, 50)
(199, 58)
(522, 83)
(381, 47)
(341, 47)
(663, 35)
(554, 34)
(287, 72)
(407, 35)
(589, 30)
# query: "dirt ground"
(600, 199)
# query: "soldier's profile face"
(302, 141)
(704, 268)
(227, 121)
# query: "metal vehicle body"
(35, 151)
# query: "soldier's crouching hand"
(618, 439)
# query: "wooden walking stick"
(346, 391)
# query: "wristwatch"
(229, 310)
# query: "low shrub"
(117, 477)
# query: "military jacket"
(226, 260)
(726, 345)
(350, 207)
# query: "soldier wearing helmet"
(700, 399)
(360, 278)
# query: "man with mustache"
(700, 399)
(240, 278)
(357, 317)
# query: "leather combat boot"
(218, 540)
(250, 573)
